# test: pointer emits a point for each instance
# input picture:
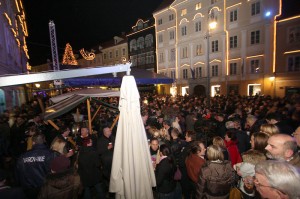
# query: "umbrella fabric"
(132, 175)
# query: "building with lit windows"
(115, 50)
(235, 56)
(13, 50)
(141, 45)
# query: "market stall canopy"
(141, 76)
(66, 102)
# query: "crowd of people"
(234, 146)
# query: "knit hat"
(247, 169)
(60, 164)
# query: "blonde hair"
(253, 157)
(214, 153)
(269, 129)
(58, 145)
(218, 141)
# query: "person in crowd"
(33, 166)
(247, 172)
(277, 179)
(164, 174)
(154, 151)
(190, 120)
(89, 169)
(216, 177)
(175, 124)
(167, 129)
(283, 147)
(175, 138)
(275, 118)
(259, 141)
(269, 129)
(221, 128)
(195, 161)
(253, 124)
(242, 137)
(218, 141)
(159, 124)
(31, 131)
(65, 135)
(186, 183)
(18, 136)
(62, 183)
(84, 136)
(231, 145)
(8, 192)
(296, 135)
(105, 147)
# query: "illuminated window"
(232, 68)
(255, 8)
(183, 31)
(198, 6)
(183, 12)
(160, 21)
(149, 40)
(171, 17)
(215, 46)
(198, 49)
(172, 34)
(294, 34)
(254, 66)
(198, 72)
(198, 26)
(214, 70)
(172, 54)
(185, 73)
(294, 63)
(184, 52)
(233, 42)
(233, 15)
(255, 37)
(173, 74)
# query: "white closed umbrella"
(132, 175)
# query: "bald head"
(281, 147)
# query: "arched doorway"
(199, 90)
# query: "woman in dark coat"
(88, 169)
(164, 174)
(216, 177)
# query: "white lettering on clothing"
(34, 159)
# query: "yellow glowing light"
(183, 65)
(28, 66)
(199, 62)
(198, 15)
(178, 3)
(234, 5)
(254, 56)
(18, 42)
(37, 85)
(160, 12)
(176, 44)
(212, 25)
(14, 32)
(171, 27)
(21, 4)
(234, 59)
(8, 18)
(216, 7)
(288, 19)
(215, 60)
(184, 20)
(160, 31)
(69, 58)
(227, 42)
(138, 22)
(272, 78)
(290, 52)
(275, 35)
(89, 56)
(17, 5)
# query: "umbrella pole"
(89, 115)
(96, 113)
(115, 121)
(53, 124)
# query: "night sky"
(82, 23)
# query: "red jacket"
(233, 151)
(193, 166)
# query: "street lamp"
(211, 26)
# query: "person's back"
(33, 166)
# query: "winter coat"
(194, 164)
(65, 185)
(215, 180)
(164, 174)
(88, 166)
(233, 151)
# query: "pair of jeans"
(99, 190)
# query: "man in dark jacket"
(33, 166)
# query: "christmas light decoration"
(69, 58)
(89, 56)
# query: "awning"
(141, 76)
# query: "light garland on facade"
(89, 56)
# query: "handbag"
(177, 175)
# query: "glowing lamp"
(268, 13)
(213, 25)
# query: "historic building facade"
(235, 56)
(13, 50)
(141, 45)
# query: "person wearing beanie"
(62, 183)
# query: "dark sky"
(82, 23)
